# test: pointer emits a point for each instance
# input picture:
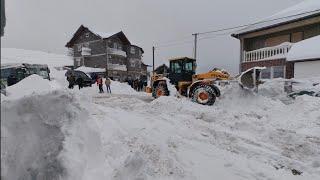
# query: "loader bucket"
(250, 79)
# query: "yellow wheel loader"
(201, 88)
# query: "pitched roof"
(305, 9)
(102, 35)
(138, 47)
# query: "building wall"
(288, 66)
(95, 61)
(90, 40)
(307, 69)
(292, 35)
(100, 56)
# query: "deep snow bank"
(33, 84)
(49, 136)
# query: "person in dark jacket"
(71, 79)
(80, 82)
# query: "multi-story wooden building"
(112, 51)
(267, 42)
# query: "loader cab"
(182, 69)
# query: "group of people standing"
(137, 84)
(107, 82)
(71, 78)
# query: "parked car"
(13, 73)
(87, 80)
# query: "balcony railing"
(268, 53)
(85, 51)
(117, 52)
(70, 52)
(117, 67)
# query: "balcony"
(118, 52)
(85, 51)
(70, 52)
(268, 53)
(117, 67)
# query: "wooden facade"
(114, 52)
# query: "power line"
(174, 44)
(171, 41)
(241, 26)
(178, 42)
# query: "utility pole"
(153, 48)
(195, 44)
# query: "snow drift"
(53, 132)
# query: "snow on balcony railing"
(117, 52)
(70, 52)
(268, 53)
(85, 51)
(117, 67)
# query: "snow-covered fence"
(86, 51)
(267, 53)
(117, 67)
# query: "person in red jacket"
(100, 84)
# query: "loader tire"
(204, 94)
(160, 90)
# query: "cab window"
(188, 67)
(176, 67)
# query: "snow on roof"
(102, 34)
(90, 69)
(11, 55)
(304, 50)
(304, 9)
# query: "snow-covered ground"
(51, 132)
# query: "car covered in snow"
(296, 88)
(13, 73)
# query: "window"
(79, 47)
(273, 72)
(278, 71)
(176, 67)
(78, 61)
(296, 37)
(86, 44)
(266, 73)
(119, 47)
(132, 63)
(188, 66)
(132, 50)
(87, 35)
(115, 45)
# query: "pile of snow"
(81, 134)
(33, 84)
(90, 69)
(46, 136)
(306, 49)
(12, 55)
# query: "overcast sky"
(47, 25)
